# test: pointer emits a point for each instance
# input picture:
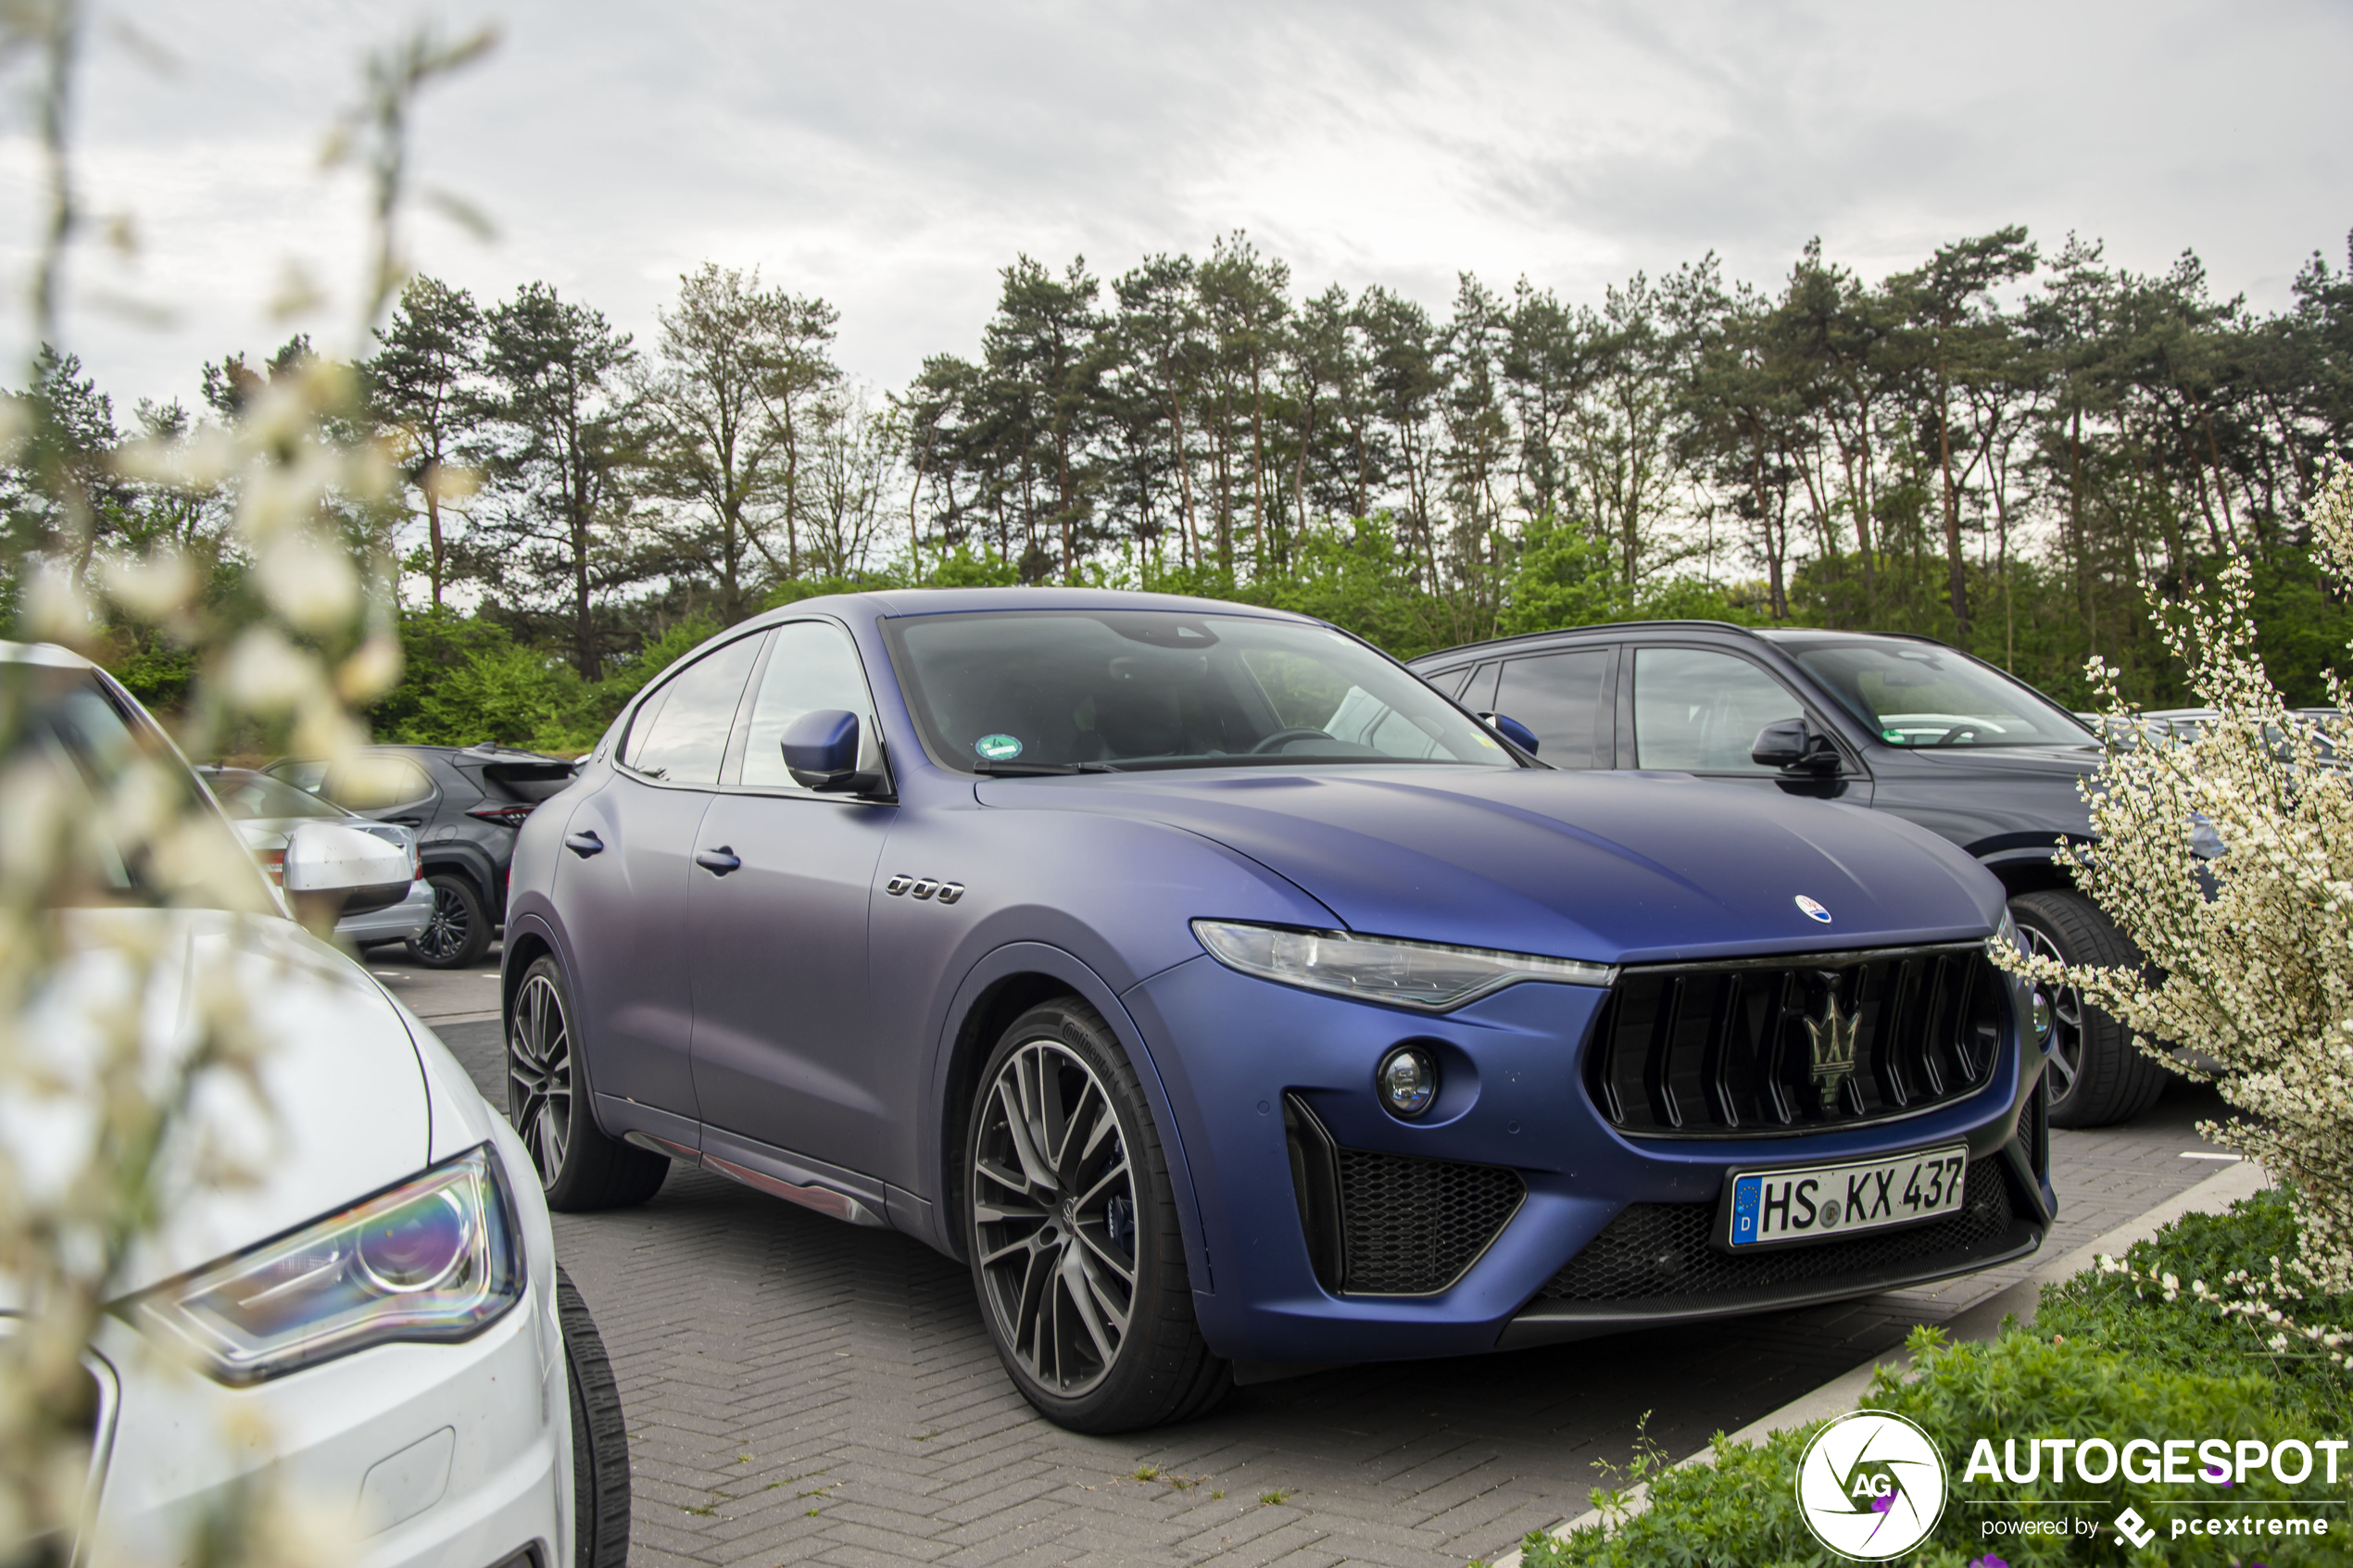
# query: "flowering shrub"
(2228, 862)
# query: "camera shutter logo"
(1871, 1485)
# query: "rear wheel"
(459, 932)
(1071, 1222)
(2097, 1075)
(599, 1438)
(580, 1168)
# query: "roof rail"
(1604, 626)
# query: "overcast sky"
(892, 156)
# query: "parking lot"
(803, 1391)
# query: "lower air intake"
(1664, 1251)
(1411, 1226)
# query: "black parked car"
(1900, 723)
(465, 804)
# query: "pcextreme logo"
(1871, 1485)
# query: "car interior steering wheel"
(1953, 736)
(1283, 737)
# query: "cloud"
(892, 157)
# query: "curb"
(1983, 1321)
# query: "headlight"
(1429, 975)
(435, 1257)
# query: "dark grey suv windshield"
(1917, 693)
(1051, 691)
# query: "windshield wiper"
(1039, 769)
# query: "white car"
(376, 1319)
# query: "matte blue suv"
(1228, 999)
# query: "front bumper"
(1228, 1050)
(426, 1456)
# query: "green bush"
(2099, 1360)
(2106, 1312)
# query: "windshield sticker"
(998, 748)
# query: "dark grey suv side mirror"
(1791, 743)
(820, 752)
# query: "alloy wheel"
(539, 1075)
(1055, 1209)
(2067, 1019)
(446, 933)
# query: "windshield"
(248, 796)
(1918, 694)
(1057, 691)
(110, 800)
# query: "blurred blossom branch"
(110, 1033)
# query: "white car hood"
(335, 1106)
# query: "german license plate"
(1818, 1202)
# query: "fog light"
(1407, 1081)
(2043, 1018)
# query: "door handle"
(719, 861)
(583, 844)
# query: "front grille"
(1411, 1226)
(1662, 1251)
(1767, 1048)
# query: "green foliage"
(466, 680)
(2106, 1311)
(964, 569)
(1566, 577)
(2097, 1362)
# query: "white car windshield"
(1921, 695)
(72, 755)
(1062, 691)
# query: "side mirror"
(1792, 744)
(332, 870)
(822, 751)
(1513, 730)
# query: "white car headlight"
(436, 1257)
(1429, 975)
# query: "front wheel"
(580, 1168)
(599, 1438)
(2097, 1075)
(1071, 1224)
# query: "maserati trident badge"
(1831, 1044)
(1813, 909)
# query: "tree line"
(2000, 447)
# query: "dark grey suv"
(1899, 723)
(465, 803)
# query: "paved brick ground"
(802, 1391)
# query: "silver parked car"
(266, 811)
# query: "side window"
(1559, 696)
(375, 782)
(1698, 712)
(681, 735)
(1478, 693)
(813, 666)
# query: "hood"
(1609, 867)
(336, 1108)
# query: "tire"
(580, 1168)
(2097, 1076)
(1047, 1231)
(599, 1438)
(460, 932)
